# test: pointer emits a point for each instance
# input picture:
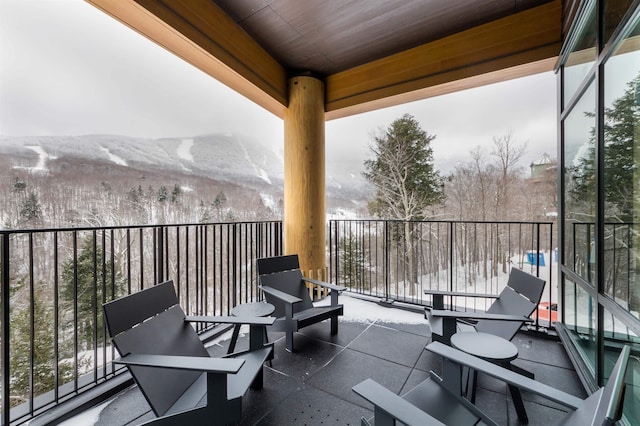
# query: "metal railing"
(54, 282)
(397, 260)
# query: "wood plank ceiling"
(369, 53)
(330, 36)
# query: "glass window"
(580, 321)
(622, 173)
(617, 334)
(582, 57)
(579, 181)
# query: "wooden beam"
(531, 36)
(203, 35)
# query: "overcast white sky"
(66, 68)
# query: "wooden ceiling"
(369, 53)
(329, 36)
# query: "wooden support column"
(304, 173)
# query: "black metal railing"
(397, 260)
(54, 282)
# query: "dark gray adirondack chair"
(181, 381)
(284, 287)
(505, 316)
(438, 401)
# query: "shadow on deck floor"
(313, 385)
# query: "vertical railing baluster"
(159, 254)
(234, 263)
(198, 273)
(128, 239)
(387, 260)
(141, 243)
(178, 253)
(537, 260)
(5, 267)
(32, 330)
(56, 320)
(451, 264)
(205, 270)
(186, 267)
(75, 310)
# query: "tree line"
(491, 186)
(69, 197)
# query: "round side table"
(251, 309)
(493, 349)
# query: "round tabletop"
(485, 345)
(253, 309)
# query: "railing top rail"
(449, 221)
(96, 228)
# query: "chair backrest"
(269, 265)
(520, 296)
(526, 285)
(604, 407)
(151, 322)
(283, 273)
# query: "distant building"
(541, 186)
(543, 166)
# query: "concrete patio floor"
(313, 385)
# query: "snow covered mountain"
(224, 157)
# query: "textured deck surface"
(313, 385)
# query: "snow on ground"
(41, 165)
(358, 310)
(184, 150)
(260, 173)
(268, 201)
(114, 158)
(342, 214)
(88, 417)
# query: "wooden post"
(304, 173)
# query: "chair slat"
(525, 284)
(171, 365)
(511, 303)
(122, 314)
(285, 288)
(291, 283)
(269, 265)
(166, 334)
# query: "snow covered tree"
(402, 172)
(43, 373)
(30, 209)
(406, 183)
(90, 280)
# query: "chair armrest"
(459, 294)
(287, 298)
(324, 284)
(393, 405)
(478, 315)
(231, 320)
(505, 375)
(195, 363)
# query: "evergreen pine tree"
(96, 284)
